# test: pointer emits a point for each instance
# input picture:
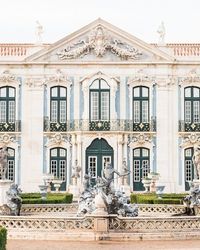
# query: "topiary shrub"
(3, 238)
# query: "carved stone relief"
(58, 139)
(192, 78)
(190, 140)
(99, 42)
(6, 77)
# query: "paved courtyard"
(136, 245)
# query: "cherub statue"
(125, 173)
(196, 161)
(3, 162)
(75, 172)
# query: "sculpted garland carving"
(100, 43)
(192, 78)
(7, 77)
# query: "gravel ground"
(136, 245)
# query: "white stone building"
(100, 94)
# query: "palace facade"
(100, 95)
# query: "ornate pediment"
(99, 41)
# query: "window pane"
(136, 152)
(63, 111)
(145, 168)
(2, 111)
(145, 111)
(188, 92)
(53, 168)
(105, 106)
(196, 92)
(62, 170)
(62, 152)
(95, 84)
(104, 84)
(136, 112)
(10, 171)
(196, 111)
(94, 106)
(136, 171)
(136, 92)
(2, 92)
(92, 167)
(11, 152)
(11, 112)
(54, 111)
(145, 92)
(188, 170)
(62, 92)
(187, 111)
(11, 92)
(54, 92)
(54, 152)
(188, 152)
(145, 152)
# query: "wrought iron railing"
(10, 126)
(188, 127)
(87, 125)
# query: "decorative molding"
(5, 139)
(59, 77)
(192, 78)
(164, 82)
(139, 140)
(140, 77)
(100, 42)
(58, 139)
(7, 78)
(34, 82)
(190, 140)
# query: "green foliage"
(3, 238)
(52, 198)
(151, 198)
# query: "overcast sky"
(59, 18)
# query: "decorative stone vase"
(57, 183)
(146, 183)
(43, 191)
(48, 178)
(159, 191)
(154, 177)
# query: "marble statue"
(125, 173)
(192, 200)
(75, 172)
(3, 163)
(103, 198)
(196, 161)
(161, 32)
(14, 200)
(38, 32)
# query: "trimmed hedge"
(3, 238)
(151, 198)
(52, 198)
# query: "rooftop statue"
(161, 32)
(38, 32)
(3, 163)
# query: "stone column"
(79, 156)
(113, 89)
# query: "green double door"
(98, 154)
(141, 167)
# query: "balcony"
(188, 127)
(11, 126)
(86, 125)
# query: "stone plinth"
(4, 186)
(75, 190)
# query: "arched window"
(189, 168)
(99, 105)
(192, 109)
(58, 165)
(141, 167)
(58, 108)
(7, 109)
(141, 108)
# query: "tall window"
(192, 108)
(58, 164)
(7, 108)
(10, 157)
(99, 101)
(189, 168)
(58, 114)
(141, 108)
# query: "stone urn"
(57, 183)
(48, 178)
(43, 191)
(159, 191)
(154, 178)
(146, 183)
